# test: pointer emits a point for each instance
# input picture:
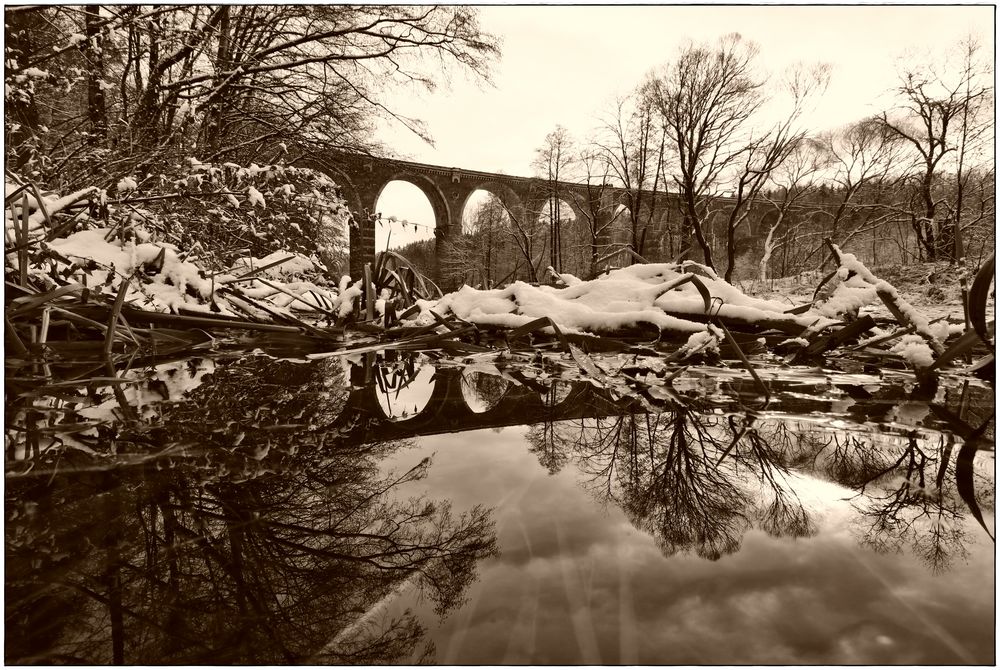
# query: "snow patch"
(705, 340)
(915, 351)
(255, 198)
(623, 298)
(295, 264)
(126, 184)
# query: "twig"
(109, 336)
(247, 276)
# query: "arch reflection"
(403, 394)
(482, 392)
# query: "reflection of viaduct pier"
(362, 179)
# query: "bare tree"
(478, 256)
(764, 153)
(599, 212)
(794, 180)
(705, 98)
(859, 155)
(632, 145)
(553, 161)
(861, 169)
(709, 99)
(976, 131)
(939, 115)
(528, 233)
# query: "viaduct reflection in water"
(696, 474)
(247, 519)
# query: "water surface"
(401, 509)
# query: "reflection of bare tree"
(548, 445)
(665, 472)
(552, 441)
(908, 503)
(767, 448)
(265, 540)
(852, 461)
(686, 501)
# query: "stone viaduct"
(362, 179)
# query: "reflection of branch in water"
(784, 514)
(258, 548)
(907, 505)
(393, 376)
(853, 462)
(379, 644)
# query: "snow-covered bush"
(219, 214)
(180, 241)
(235, 212)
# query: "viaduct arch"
(362, 178)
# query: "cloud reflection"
(577, 583)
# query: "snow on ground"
(931, 288)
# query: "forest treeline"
(129, 99)
(756, 191)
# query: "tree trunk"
(730, 251)
(94, 54)
(22, 112)
(699, 235)
(213, 115)
(768, 248)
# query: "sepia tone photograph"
(499, 335)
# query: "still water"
(406, 509)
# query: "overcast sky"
(564, 65)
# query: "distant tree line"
(756, 192)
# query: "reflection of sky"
(576, 583)
(406, 400)
(482, 392)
